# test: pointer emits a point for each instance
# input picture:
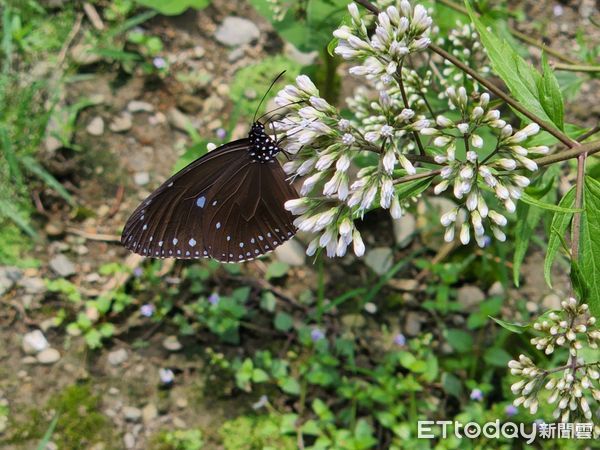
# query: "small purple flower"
(214, 298)
(138, 272)
(476, 394)
(147, 310)
(511, 410)
(400, 340)
(159, 62)
(316, 335)
(166, 375)
(221, 133)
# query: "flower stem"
(589, 148)
(418, 176)
(398, 76)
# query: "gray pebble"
(62, 266)
(235, 31)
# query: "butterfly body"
(228, 205)
(263, 148)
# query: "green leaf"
(173, 7)
(290, 385)
(547, 206)
(412, 188)
(283, 321)
(310, 30)
(520, 77)
(259, 376)
(496, 356)
(580, 284)
(277, 269)
(43, 445)
(558, 228)
(551, 95)
(460, 340)
(38, 170)
(514, 327)
(590, 243)
(529, 218)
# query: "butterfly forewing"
(168, 222)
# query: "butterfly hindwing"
(249, 215)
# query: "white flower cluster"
(399, 31)
(479, 174)
(567, 328)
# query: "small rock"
(412, 324)
(48, 356)
(96, 126)
(379, 259)
(191, 104)
(235, 31)
(292, 253)
(54, 229)
(8, 277)
(404, 229)
(28, 360)
(117, 357)
(114, 391)
(305, 59)
(236, 54)
(181, 403)
(496, 290)
(212, 105)
(84, 54)
(121, 123)
(178, 422)
(172, 344)
(353, 321)
(250, 94)
(470, 297)
(129, 440)
(62, 266)
(141, 178)
(139, 106)
(551, 301)
(34, 342)
(178, 120)
(132, 414)
(149, 413)
(404, 284)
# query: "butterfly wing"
(248, 218)
(169, 222)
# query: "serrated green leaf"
(173, 7)
(551, 95)
(558, 228)
(514, 327)
(579, 282)
(590, 243)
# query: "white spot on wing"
(192, 242)
(200, 201)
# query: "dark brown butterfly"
(227, 205)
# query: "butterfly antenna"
(266, 93)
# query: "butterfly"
(227, 205)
